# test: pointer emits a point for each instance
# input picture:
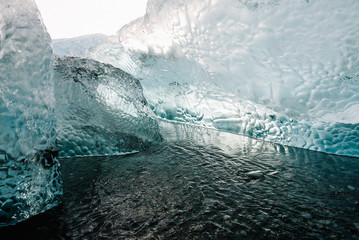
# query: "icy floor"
(204, 184)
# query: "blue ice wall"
(29, 179)
(279, 70)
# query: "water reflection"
(205, 184)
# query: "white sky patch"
(71, 18)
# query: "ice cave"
(203, 119)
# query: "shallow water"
(204, 184)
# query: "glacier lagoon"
(243, 71)
(204, 184)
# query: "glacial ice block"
(29, 169)
(114, 54)
(100, 110)
(279, 70)
(78, 46)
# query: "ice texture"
(29, 179)
(100, 110)
(113, 53)
(78, 46)
(279, 70)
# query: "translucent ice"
(77, 46)
(100, 110)
(29, 178)
(279, 70)
(114, 54)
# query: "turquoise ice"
(29, 169)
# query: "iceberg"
(30, 182)
(100, 110)
(278, 70)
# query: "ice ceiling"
(282, 71)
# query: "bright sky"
(71, 18)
